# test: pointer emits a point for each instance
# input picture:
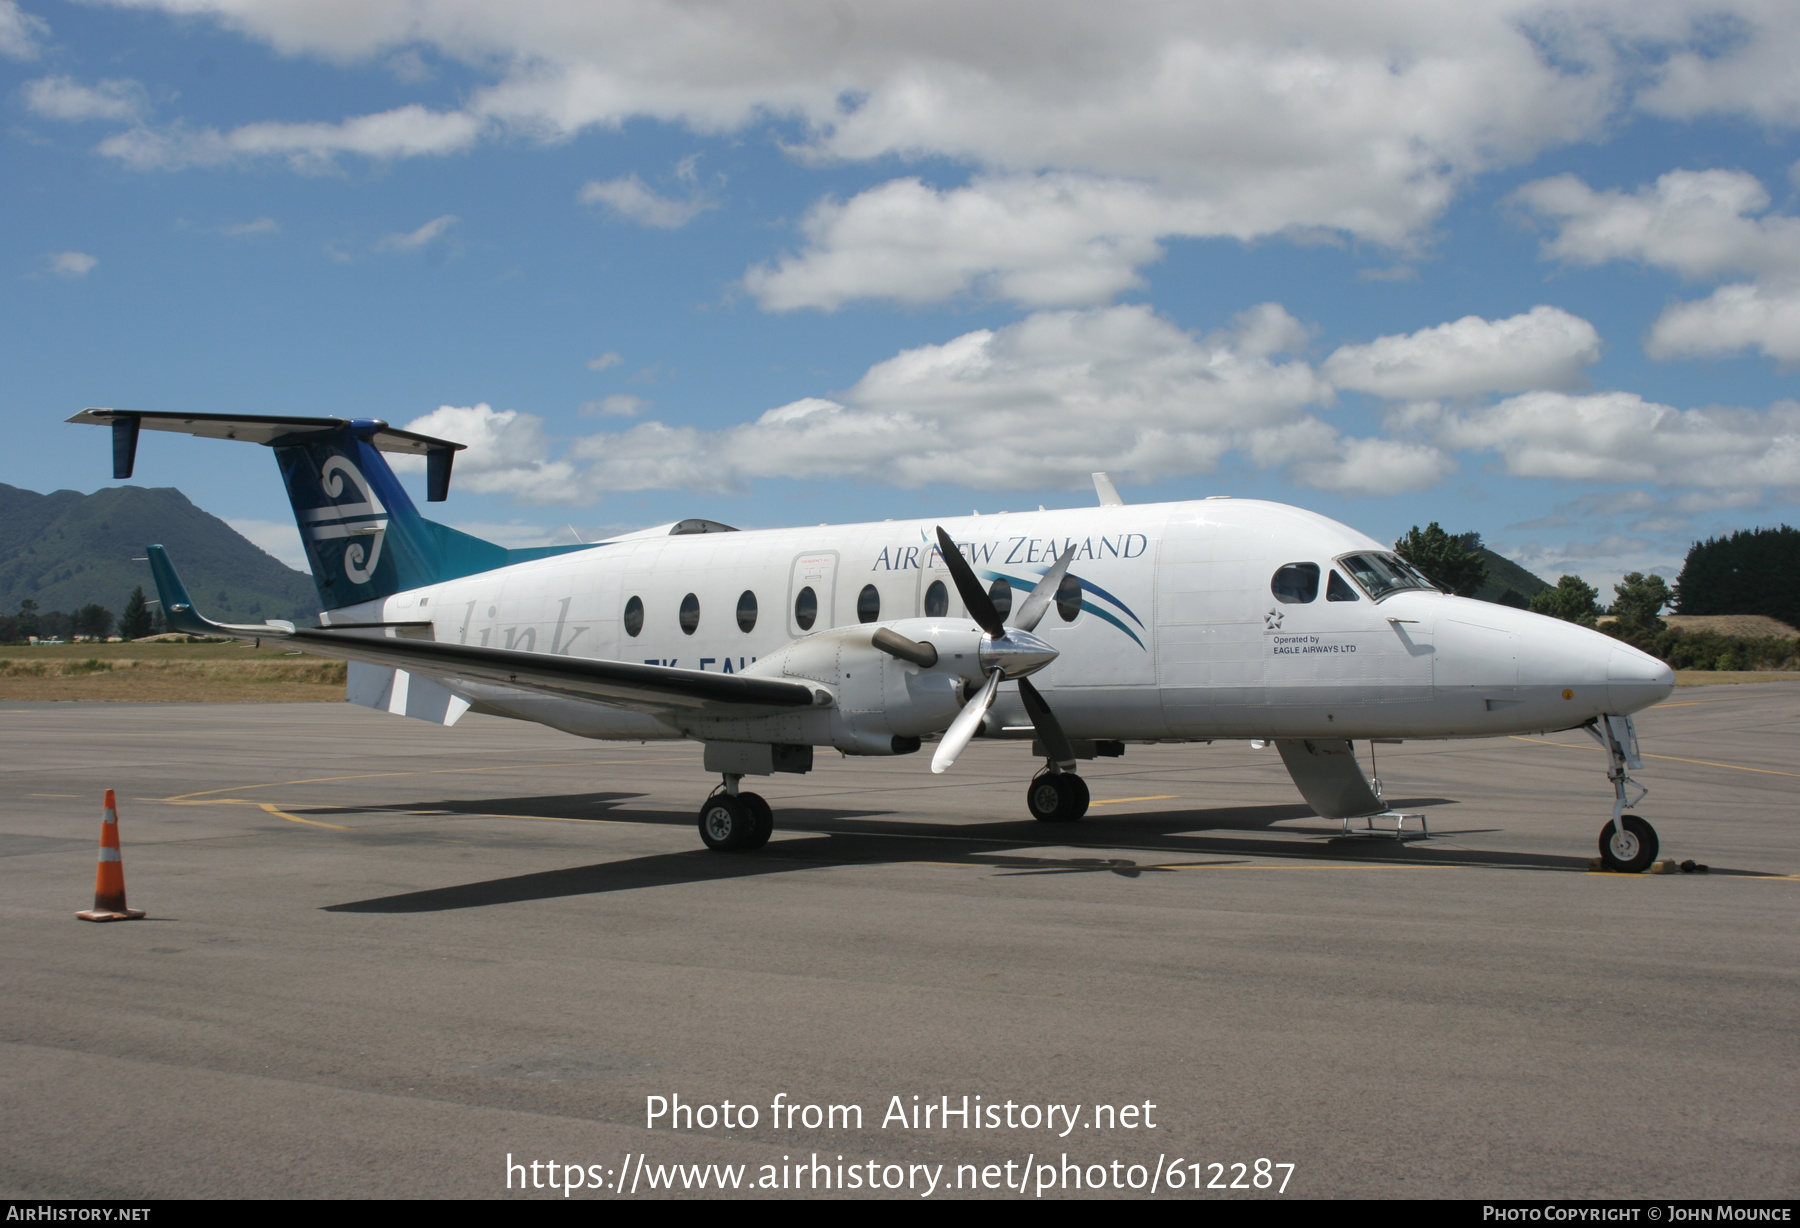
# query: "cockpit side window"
(1338, 589)
(1296, 584)
(1383, 573)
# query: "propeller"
(1013, 651)
(1028, 615)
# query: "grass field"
(165, 672)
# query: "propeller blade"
(963, 728)
(975, 598)
(1027, 616)
(1049, 729)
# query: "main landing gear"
(1057, 797)
(734, 822)
(1628, 845)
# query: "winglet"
(180, 614)
(1109, 494)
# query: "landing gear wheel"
(764, 820)
(726, 824)
(1057, 797)
(1631, 851)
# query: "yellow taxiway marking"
(1686, 703)
(53, 795)
(269, 808)
(507, 767)
(1736, 767)
(1118, 801)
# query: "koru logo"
(367, 518)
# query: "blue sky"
(1528, 269)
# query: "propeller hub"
(1015, 654)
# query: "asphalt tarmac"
(381, 957)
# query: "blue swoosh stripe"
(1017, 582)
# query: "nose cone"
(1635, 680)
(1016, 654)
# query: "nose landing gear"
(1628, 845)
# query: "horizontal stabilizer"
(271, 430)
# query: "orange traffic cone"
(109, 878)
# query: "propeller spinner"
(1006, 653)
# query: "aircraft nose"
(1635, 680)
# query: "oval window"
(806, 609)
(690, 614)
(634, 616)
(1296, 584)
(937, 600)
(747, 612)
(1068, 598)
(1000, 592)
(868, 604)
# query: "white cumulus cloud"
(1092, 132)
(1761, 315)
(632, 200)
(1621, 437)
(72, 264)
(408, 131)
(1545, 347)
(20, 32)
(413, 240)
(1698, 224)
(507, 453)
(278, 538)
(1043, 402)
(65, 98)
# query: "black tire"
(1632, 851)
(765, 820)
(1057, 797)
(726, 824)
(1079, 796)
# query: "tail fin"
(364, 538)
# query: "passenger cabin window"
(1068, 598)
(1296, 584)
(634, 616)
(806, 609)
(690, 614)
(1383, 573)
(937, 600)
(1000, 592)
(1338, 589)
(868, 604)
(746, 612)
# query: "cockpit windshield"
(1383, 573)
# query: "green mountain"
(66, 550)
(1503, 574)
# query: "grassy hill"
(66, 550)
(1503, 574)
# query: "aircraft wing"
(622, 684)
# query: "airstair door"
(812, 590)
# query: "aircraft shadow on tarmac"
(819, 838)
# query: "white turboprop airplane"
(1080, 630)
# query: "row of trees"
(1755, 571)
(93, 620)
